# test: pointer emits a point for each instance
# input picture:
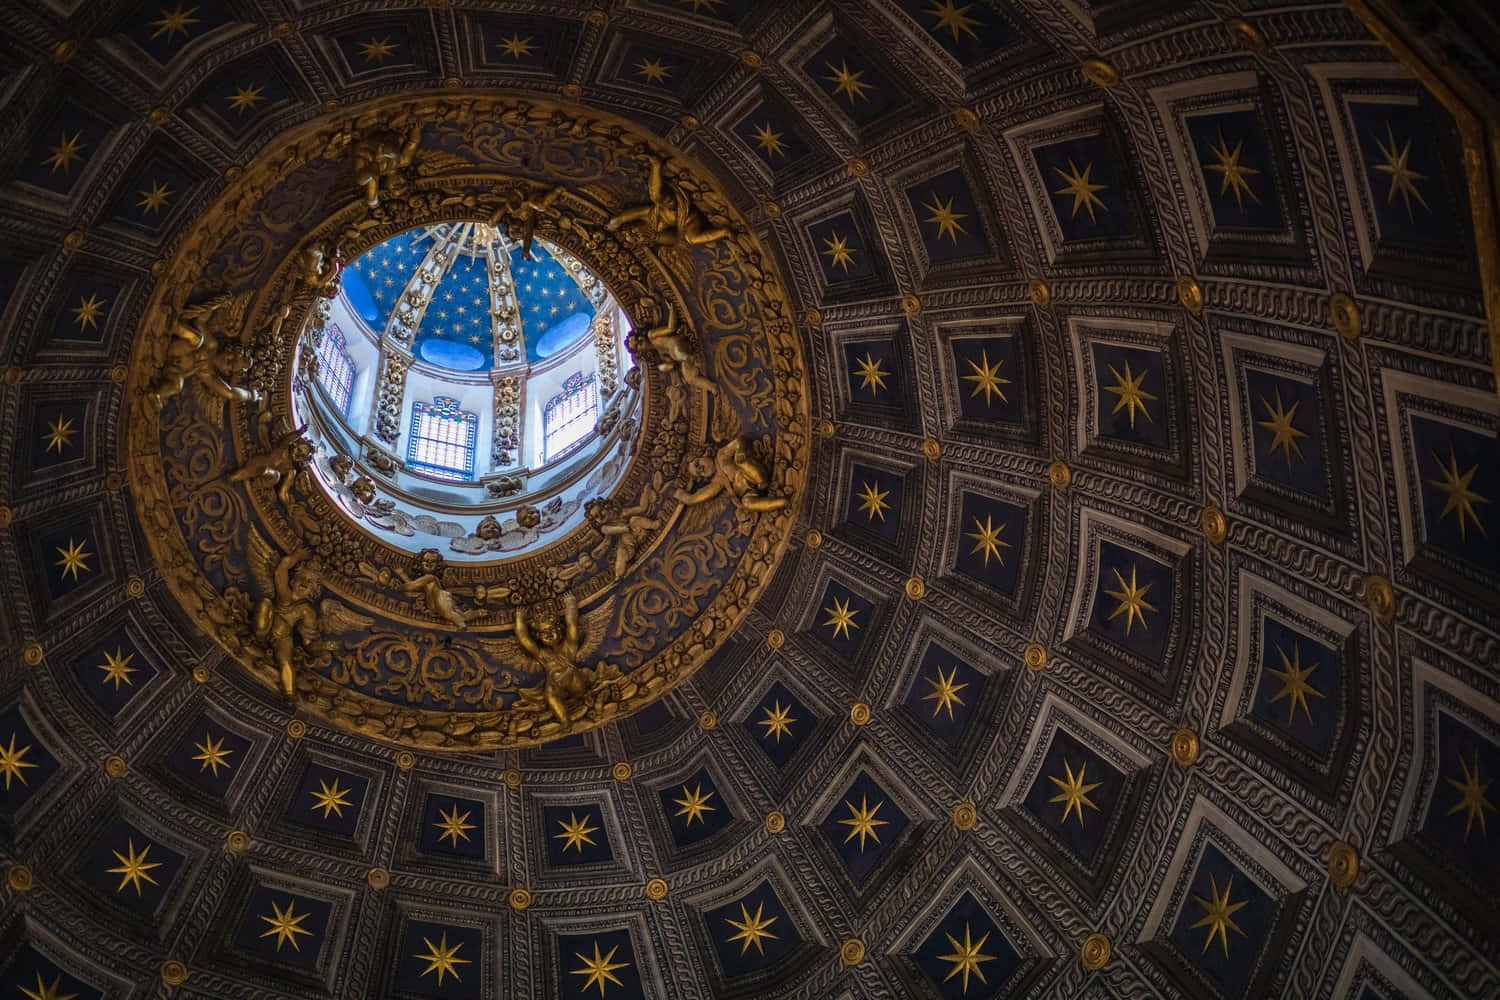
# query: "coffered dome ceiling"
(1035, 531)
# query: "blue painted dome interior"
(457, 329)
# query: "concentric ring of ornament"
(489, 654)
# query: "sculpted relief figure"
(736, 470)
(555, 651)
(670, 216)
(428, 587)
(379, 154)
(321, 272)
(676, 350)
(627, 527)
(289, 610)
(197, 351)
(289, 456)
(527, 208)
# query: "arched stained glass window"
(570, 415)
(335, 367)
(441, 442)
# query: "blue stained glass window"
(336, 368)
(441, 442)
(570, 415)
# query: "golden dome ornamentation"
(173, 972)
(965, 816)
(1038, 292)
(916, 589)
(378, 878)
(19, 878)
(656, 889)
(512, 778)
(1247, 34)
(1185, 747)
(1343, 311)
(751, 59)
(1380, 597)
(859, 713)
(776, 638)
(775, 822)
(1059, 475)
(911, 304)
(1095, 951)
(1099, 72)
(1215, 527)
(852, 951)
(708, 719)
(1034, 656)
(1343, 864)
(519, 899)
(296, 729)
(114, 766)
(813, 538)
(406, 760)
(966, 118)
(200, 674)
(1190, 295)
(932, 448)
(237, 841)
(31, 654)
(621, 771)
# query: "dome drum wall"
(358, 631)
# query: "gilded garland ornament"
(477, 653)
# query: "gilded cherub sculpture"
(555, 651)
(197, 352)
(526, 209)
(626, 527)
(321, 272)
(734, 469)
(670, 216)
(676, 350)
(380, 154)
(440, 601)
(287, 611)
(287, 457)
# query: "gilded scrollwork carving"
(409, 649)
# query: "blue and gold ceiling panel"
(599, 964)
(1444, 450)
(781, 724)
(753, 933)
(990, 544)
(1225, 929)
(282, 928)
(62, 432)
(694, 808)
(25, 763)
(877, 380)
(211, 758)
(844, 621)
(245, 95)
(970, 32)
(1133, 392)
(330, 800)
(90, 304)
(773, 133)
(576, 833)
(848, 258)
(130, 869)
(855, 83)
(441, 960)
(1401, 146)
(1086, 198)
(968, 955)
(1235, 165)
(1288, 449)
(643, 64)
(164, 180)
(948, 218)
(989, 380)
(71, 142)
(1403, 186)
(1247, 212)
(864, 826)
(946, 692)
(164, 29)
(453, 826)
(381, 48)
(1132, 611)
(1459, 467)
(32, 974)
(873, 504)
(1295, 699)
(529, 45)
(1461, 823)
(72, 558)
(115, 671)
(1075, 796)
